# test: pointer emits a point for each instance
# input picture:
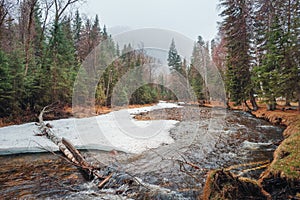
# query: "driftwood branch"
(102, 183)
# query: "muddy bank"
(281, 179)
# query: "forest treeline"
(38, 56)
(259, 50)
(43, 45)
(44, 42)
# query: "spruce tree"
(6, 86)
(63, 64)
(174, 60)
(95, 32)
(277, 49)
(77, 26)
(197, 66)
(269, 73)
(235, 27)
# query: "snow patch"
(116, 130)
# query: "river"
(210, 139)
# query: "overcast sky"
(188, 17)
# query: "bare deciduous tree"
(27, 27)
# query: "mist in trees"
(198, 70)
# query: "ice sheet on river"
(115, 130)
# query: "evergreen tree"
(269, 74)
(105, 35)
(95, 32)
(35, 74)
(6, 86)
(291, 50)
(236, 28)
(277, 71)
(17, 67)
(77, 27)
(77, 30)
(118, 50)
(197, 66)
(174, 60)
(63, 64)
(39, 42)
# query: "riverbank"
(281, 179)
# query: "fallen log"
(46, 130)
(65, 146)
(79, 158)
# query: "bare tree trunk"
(299, 101)
(253, 101)
(5, 9)
(31, 5)
(287, 100)
(227, 103)
(248, 107)
(271, 104)
(3, 13)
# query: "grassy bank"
(286, 161)
(282, 177)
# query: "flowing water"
(210, 139)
